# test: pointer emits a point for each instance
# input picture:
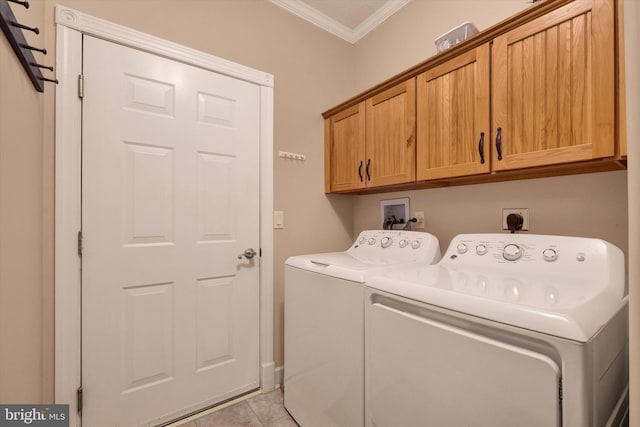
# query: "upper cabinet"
(540, 94)
(553, 86)
(372, 144)
(453, 117)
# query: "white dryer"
(324, 323)
(506, 330)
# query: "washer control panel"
(394, 245)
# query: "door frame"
(71, 25)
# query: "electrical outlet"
(419, 215)
(522, 211)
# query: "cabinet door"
(553, 88)
(453, 117)
(345, 150)
(391, 149)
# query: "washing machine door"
(421, 372)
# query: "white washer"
(324, 323)
(505, 330)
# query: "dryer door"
(421, 372)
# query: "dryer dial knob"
(549, 255)
(462, 248)
(372, 241)
(512, 252)
(481, 249)
(403, 243)
(415, 244)
(386, 242)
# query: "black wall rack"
(13, 30)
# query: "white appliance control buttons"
(462, 248)
(403, 243)
(372, 241)
(362, 240)
(386, 242)
(549, 255)
(415, 244)
(481, 249)
(512, 252)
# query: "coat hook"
(24, 27)
(44, 79)
(34, 64)
(20, 2)
(37, 49)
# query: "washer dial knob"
(372, 241)
(549, 255)
(512, 252)
(362, 240)
(415, 244)
(403, 243)
(462, 248)
(386, 242)
(481, 249)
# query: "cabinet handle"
(499, 143)
(481, 148)
(368, 172)
(360, 171)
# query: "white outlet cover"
(522, 211)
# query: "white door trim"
(71, 25)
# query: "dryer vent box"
(396, 209)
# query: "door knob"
(248, 254)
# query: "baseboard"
(267, 377)
(279, 376)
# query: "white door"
(170, 198)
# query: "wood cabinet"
(534, 96)
(372, 144)
(453, 117)
(553, 87)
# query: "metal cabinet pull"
(481, 148)
(368, 167)
(248, 254)
(499, 143)
(360, 171)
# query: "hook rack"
(13, 30)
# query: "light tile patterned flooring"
(263, 410)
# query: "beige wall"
(632, 45)
(22, 356)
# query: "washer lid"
(343, 265)
(572, 309)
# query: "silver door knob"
(248, 254)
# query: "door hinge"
(80, 86)
(79, 399)
(80, 243)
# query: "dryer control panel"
(573, 259)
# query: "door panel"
(391, 135)
(453, 117)
(553, 86)
(347, 149)
(169, 199)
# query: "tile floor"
(263, 410)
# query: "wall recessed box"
(455, 36)
(395, 209)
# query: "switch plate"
(419, 215)
(278, 219)
(522, 211)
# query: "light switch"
(278, 219)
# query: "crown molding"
(319, 19)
